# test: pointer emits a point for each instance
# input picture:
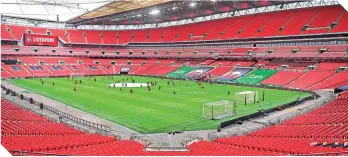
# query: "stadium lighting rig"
(193, 4)
(154, 12)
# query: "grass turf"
(150, 112)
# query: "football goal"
(246, 97)
(218, 110)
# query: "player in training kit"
(131, 91)
(174, 92)
(52, 84)
(229, 92)
(75, 90)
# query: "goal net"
(218, 110)
(246, 97)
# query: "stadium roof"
(50, 10)
(156, 11)
(125, 12)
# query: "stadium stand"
(301, 48)
(309, 79)
(282, 77)
(17, 70)
(336, 80)
(234, 27)
(76, 36)
(180, 71)
(320, 131)
(255, 76)
(330, 66)
(5, 33)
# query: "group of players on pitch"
(148, 86)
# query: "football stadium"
(174, 78)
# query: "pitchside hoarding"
(197, 72)
(40, 40)
(234, 74)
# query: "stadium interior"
(299, 46)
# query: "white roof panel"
(49, 9)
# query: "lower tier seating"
(323, 130)
(309, 79)
(336, 80)
(282, 77)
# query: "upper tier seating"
(5, 34)
(61, 33)
(237, 25)
(16, 31)
(141, 35)
(93, 37)
(342, 23)
(255, 25)
(317, 25)
(271, 28)
(76, 36)
(109, 37)
(249, 26)
(296, 22)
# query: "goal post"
(218, 110)
(246, 97)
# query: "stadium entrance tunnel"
(128, 85)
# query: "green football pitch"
(154, 111)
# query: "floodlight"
(154, 12)
(193, 4)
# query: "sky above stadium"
(49, 9)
